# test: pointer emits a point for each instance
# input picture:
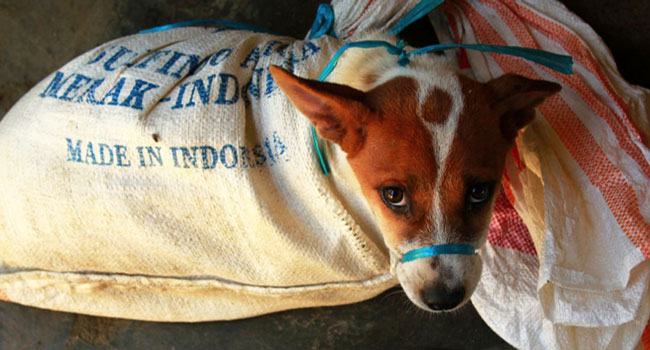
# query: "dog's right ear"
(337, 111)
(515, 97)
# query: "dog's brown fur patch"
(437, 106)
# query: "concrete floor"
(38, 36)
(386, 322)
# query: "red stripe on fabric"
(448, 10)
(507, 229)
(568, 40)
(617, 193)
(363, 12)
(507, 187)
(463, 61)
(619, 124)
(515, 157)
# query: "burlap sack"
(164, 176)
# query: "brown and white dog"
(427, 145)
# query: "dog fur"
(432, 134)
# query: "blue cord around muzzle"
(440, 249)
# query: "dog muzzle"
(440, 249)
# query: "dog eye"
(394, 197)
(479, 193)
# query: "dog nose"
(440, 298)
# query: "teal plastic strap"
(322, 25)
(441, 249)
(322, 159)
(421, 9)
(366, 44)
(233, 25)
(323, 22)
(560, 63)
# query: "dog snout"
(441, 283)
(440, 297)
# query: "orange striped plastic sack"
(566, 264)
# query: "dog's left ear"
(516, 98)
(337, 111)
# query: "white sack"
(165, 176)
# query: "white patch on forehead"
(442, 135)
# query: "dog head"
(428, 148)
